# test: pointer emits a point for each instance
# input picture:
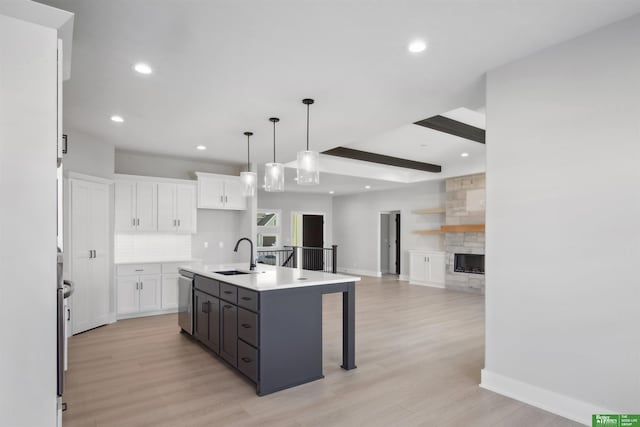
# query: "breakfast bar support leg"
(349, 327)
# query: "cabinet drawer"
(210, 286)
(228, 292)
(248, 326)
(248, 360)
(248, 299)
(135, 269)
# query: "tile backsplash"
(156, 246)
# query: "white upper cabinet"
(177, 208)
(220, 192)
(146, 205)
(136, 206)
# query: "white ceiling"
(224, 66)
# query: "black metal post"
(334, 260)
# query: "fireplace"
(469, 263)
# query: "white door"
(417, 267)
(167, 217)
(128, 294)
(89, 254)
(150, 289)
(125, 206)
(170, 291)
(99, 263)
(233, 197)
(436, 268)
(186, 208)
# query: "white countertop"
(154, 261)
(269, 277)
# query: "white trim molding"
(359, 272)
(548, 400)
(430, 285)
(85, 177)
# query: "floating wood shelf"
(430, 211)
(429, 232)
(466, 228)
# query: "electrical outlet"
(206, 245)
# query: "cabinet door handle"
(226, 199)
(141, 285)
(138, 221)
(95, 254)
(133, 222)
(90, 254)
(178, 223)
(221, 199)
(246, 298)
(140, 269)
(228, 292)
(137, 285)
(174, 223)
(205, 307)
(246, 360)
(227, 306)
(68, 314)
(246, 326)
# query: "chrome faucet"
(252, 264)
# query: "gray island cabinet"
(268, 324)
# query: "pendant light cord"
(248, 156)
(274, 141)
(308, 127)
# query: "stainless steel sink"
(231, 272)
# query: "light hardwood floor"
(419, 353)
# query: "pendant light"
(248, 179)
(274, 172)
(308, 161)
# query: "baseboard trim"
(403, 277)
(431, 285)
(146, 313)
(359, 272)
(547, 400)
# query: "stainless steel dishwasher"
(185, 301)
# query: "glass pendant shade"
(308, 167)
(308, 163)
(249, 182)
(274, 177)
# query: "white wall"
(289, 202)
(88, 155)
(563, 204)
(356, 224)
(147, 164)
(28, 132)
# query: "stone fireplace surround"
(464, 205)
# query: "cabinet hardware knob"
(246, 326)
(246, 298)
(246, 360)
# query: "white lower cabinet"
(427, 268)
(147, 288)
(138, 294)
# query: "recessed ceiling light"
(417, 46)
(201, 147)
(143, 68)
(464, 155)
(367, 187)
(331, 192)
(117, 119)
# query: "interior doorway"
(308, 232)
(390, 243)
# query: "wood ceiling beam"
(367, 156)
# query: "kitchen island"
(267, 323)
